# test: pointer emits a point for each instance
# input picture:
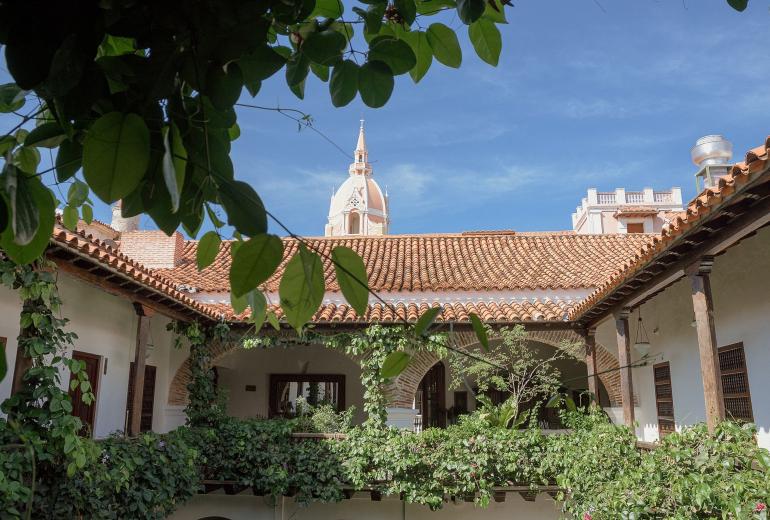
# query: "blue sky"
(583, 97)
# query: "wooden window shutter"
(148, 397)
(735, 383)
(664, 398)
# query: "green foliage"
(690, 475)
(254, 262)
(352, 278)
(302, 287)
(147, 477)
(738, 5)
(446, 48)
(486, 40)
(206, 404)
(322, 418)
(371, 348)
(511, 365)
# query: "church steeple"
(359, 206)
(361, 164)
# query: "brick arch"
(178, 393)
(402, 389)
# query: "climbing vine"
(206, 406)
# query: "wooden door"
(86, 413)
(148, 397)
(433, 397)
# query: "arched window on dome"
(354, 223)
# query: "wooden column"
(624, 360)
(142, 334)
(593, 379)
(703, 307)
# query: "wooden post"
(142, 333)
(624, 360)
(703, 307)
(593, 379)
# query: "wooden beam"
(593, 378)
(703, 305)
(142, 335)
(624, 360)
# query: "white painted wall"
(253, 367)
(360, 506)
(741, 291)
(105, 326)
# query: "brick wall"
(153, 249)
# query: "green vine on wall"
(206, 406)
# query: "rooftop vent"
(712, 149)
(712, 154)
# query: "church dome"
(359, 206)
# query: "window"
(635, 227)
(316, 389)
(664, 399)
(735, 383)
(354, 224)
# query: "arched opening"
(354, 223)
(430, 398)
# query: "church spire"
(361, 164)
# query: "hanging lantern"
(642, 343)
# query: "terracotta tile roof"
(543, 310)
(756, 162)
(448, 262)
(97, 251)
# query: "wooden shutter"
(735, 383)
(148, 396)
(664, 398)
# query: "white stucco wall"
(741, 292)
(105, 326)
(260, 508)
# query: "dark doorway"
(148, 397)
(431, 398)
(86, 413)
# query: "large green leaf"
(224, 86)
(324, 47)
(375, 83)
(426, 320)
(11, 97)
(68, 160)
(70, 218)
(44, 204)
(320, 71)
(174, 164)
(495, 12)
(481, 332)
(446, 48)
(432, 7)
(245, 210)
(24, 216)
(486, 39)
(344, 83)
(260, 64)
(258, 305)
(27, 159)
(738, 5)
(296, 69)
(418, 41)
(77, 193)
(372, 17)
(394, 364)
(47, 135)
(397, 54)
(328, 9)
(254, 262)
(352, 278)
(470, 10)
(208, 248)
(407, 9)
(302, 287)
(116, 153)
(238, 303)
